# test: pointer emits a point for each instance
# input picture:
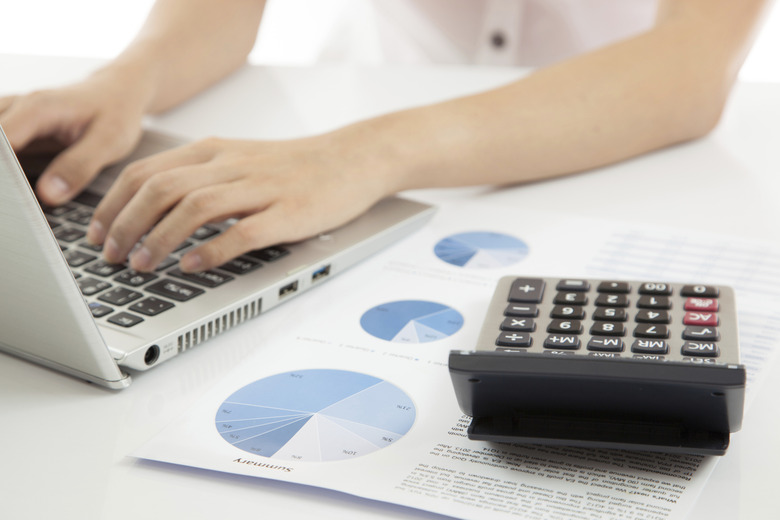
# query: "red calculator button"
(701, 304)
(701, 318)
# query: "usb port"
(320, 273)
(288, 289)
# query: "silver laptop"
(62, 306)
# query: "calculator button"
(651, 330)
(518, 324)
(610, 314)
(526, 290)
(560, 341)
(700, 360)
(650, 357)
(574, 312)
(614, 287)
(655, 288)
(654, 302)
(605, 328)
(649, 316)
(612, 300)
(570, 298)
(650, 346)
(514, 339)
(708, 291)
(521, 310)
(699, 349)
(565, 326)
(700, 318)
(701, 304)
(603, 344)
(573, 285)
(511, 349)
(701, 333)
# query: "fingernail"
(111, 250)
(191, 262)
(96, 234)
(55, 189)
(141, 259)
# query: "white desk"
(65, 444)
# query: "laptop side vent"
(211, 328)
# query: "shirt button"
(497, 39)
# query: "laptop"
(64, 307)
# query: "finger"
(132, 178)
(211, 203)
(102, 143)
(263, 229)
(173, 191)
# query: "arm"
(659, 88)
(662, 87)
(186, 45)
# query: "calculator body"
(603, 363)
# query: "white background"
(291, 32)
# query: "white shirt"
(489, 32)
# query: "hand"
(97, 122)
(279, 192)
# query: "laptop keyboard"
(125, 297)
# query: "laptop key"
(204, 232)
(69, 234)
(205, 278)
(120, 296)
(269, 254)
(99, 310)
(151, 306)
(240, 265)
(134, 278)
(174, 290)
(77, 258)
(91, 286)
(103, 268)
(125, 319)
(81, 217)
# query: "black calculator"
(634, 365)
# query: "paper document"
(358, 397)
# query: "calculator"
(636, 365)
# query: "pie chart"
(315, 415)
(481, 250)
(411, 321)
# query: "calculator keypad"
(608, 318)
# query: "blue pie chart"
(315, 415)
(411, 321)
(481, 250)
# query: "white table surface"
(64, 444)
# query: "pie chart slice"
(411, 321)
(481, 250)
(315, 415)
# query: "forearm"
(185, 46)
(662, 87)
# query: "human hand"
(96, 122)
(279, 191)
